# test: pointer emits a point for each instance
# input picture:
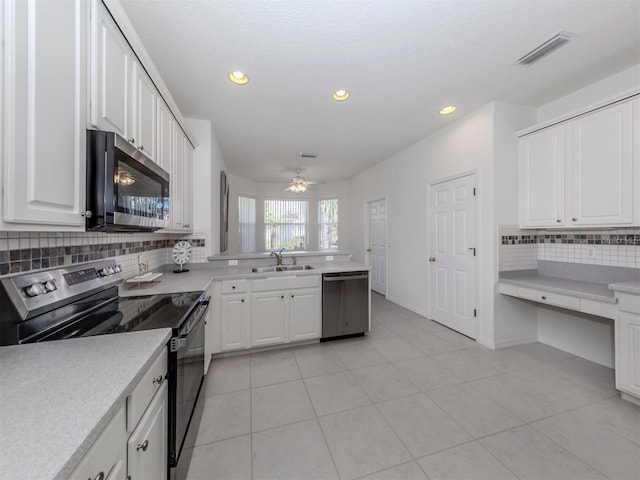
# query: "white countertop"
(57, 397)
(627, 287)
(531, 278)
(199, 277)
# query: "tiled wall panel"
(616, 248)
(26, 251)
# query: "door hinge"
(474, 191)
(475, 312)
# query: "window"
(247, 223)
(285, 224)
(328, 224)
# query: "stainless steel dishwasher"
(345, 304)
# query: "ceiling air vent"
(307, 155)
(545, 49)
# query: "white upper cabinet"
(583, 172)
(145, 100)
(176, 207)
(602, 164)
(111, 75)
(187, 196)
(44, 66)
(542, 166)
(166, 127)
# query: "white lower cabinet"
(134, 445)
(269, 318)
(627, 337)
(262, 312)
(148, 444)
(304, 313)
(107, 457)
(234, 322)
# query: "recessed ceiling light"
(340, 95)
(239, 78)
(447, 110)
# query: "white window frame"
(266, 225)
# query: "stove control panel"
(47, 288)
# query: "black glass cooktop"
(118, 315)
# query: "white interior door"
(453, 249)
(378, 245)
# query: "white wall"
(261, 190)
(619, 83)
(515, 321)
(207, 164)
(466, 145)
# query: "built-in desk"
(617, 301)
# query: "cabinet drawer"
(139, 399)
(108, 454)
(629, 302)
(285, 283)
(234, 286)
(556, 299)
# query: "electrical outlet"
(591, 252)
(233, 263)
(329, 258)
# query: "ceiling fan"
(298, 184)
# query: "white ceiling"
(401, 60)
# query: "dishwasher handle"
(345, 277)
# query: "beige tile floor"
(414, 400)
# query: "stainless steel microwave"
(126, 192)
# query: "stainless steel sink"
(281, 268)
(288, 268)
(264, 269)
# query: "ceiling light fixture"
(340, 95)
(239, 78)
(447, 110)
(298, 184)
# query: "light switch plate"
(329, 258)
(233, 263)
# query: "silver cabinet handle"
(158, 379)
(141, 147)
(99, 476)
(574, 219)
(559, 221)
(432, 259)
(368, 249)
(131, 140)
(543, 297)
(143, 446)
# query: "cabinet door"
(269, 318)
(177, 182)
(541, 170)
(187, 197)
(44, 65)
(304, 314)
(234, 322)
(107, 457)
(148, 444)
(111, 76)
(144, 112)
(602, 167)
(165, 136)
(628, 353)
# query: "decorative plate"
(181, 253)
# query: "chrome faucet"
(278, 256)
